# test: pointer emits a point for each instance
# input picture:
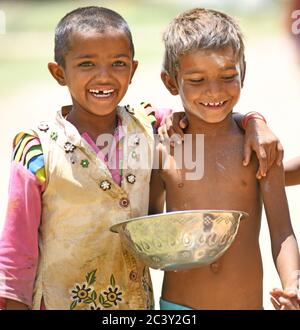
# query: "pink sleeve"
(19, 239)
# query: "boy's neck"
(197, 125)
(92, 124)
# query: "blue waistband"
(167, 305)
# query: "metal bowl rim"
(113, 227)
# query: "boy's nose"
(102, 73)
(213, 88)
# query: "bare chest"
(217, 180)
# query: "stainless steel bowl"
(180, 240)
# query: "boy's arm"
(19, 239)
(15, 305)
(157, 187)
(292, 172)
(284, 245)
(258, 137)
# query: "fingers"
(274, 154)
(173, 132)
(175, 139)
(287, 293)
(168, 136)
(169, 129)
(247, 154)
(166, 130)
(162, 133)
(267, 156)
(290, 293)
(285, 299)
(280, 154)
(261, 156)
(275, 303)
(290, 304)
(178, 131)
(184, 122)
(175, 125)
(263, 162)
(178, 128)
(271, 154)
(276, 293)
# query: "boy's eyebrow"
(204, 71)
(95, 55)
(85, 56)
(229, 68)
(121, 55)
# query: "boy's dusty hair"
(92, 18)
(197, 29)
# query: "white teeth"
(107, 91)
(101, 94)
(97, 91)
(213, 104)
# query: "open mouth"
(214, 105)
(101, 93)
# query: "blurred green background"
(28, 43)
(28, 93)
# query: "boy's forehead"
(108, 44)
(91, 34)
(221, 57)
(93, 43)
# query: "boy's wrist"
(252, 116)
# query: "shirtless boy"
(204, 64)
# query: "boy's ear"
(169, 83)
(243, 72)
(134, 67)
(57, 72)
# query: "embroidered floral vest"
(82, 264)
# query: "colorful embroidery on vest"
(69, 147)
(54, 136)
(85, 293)
(136, 140)
(131, 178)
(129, 109)
(105, 185)
(84, 163)
(43, 126)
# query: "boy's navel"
(215, 267)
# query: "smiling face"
(98, 70)
(208, 82)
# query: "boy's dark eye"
(229, 78)
(119, 63)
(86, 64)
(196, 81)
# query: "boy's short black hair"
(92, 18)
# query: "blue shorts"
(167, 305)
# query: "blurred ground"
(28, 93)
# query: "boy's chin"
(211, 119)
